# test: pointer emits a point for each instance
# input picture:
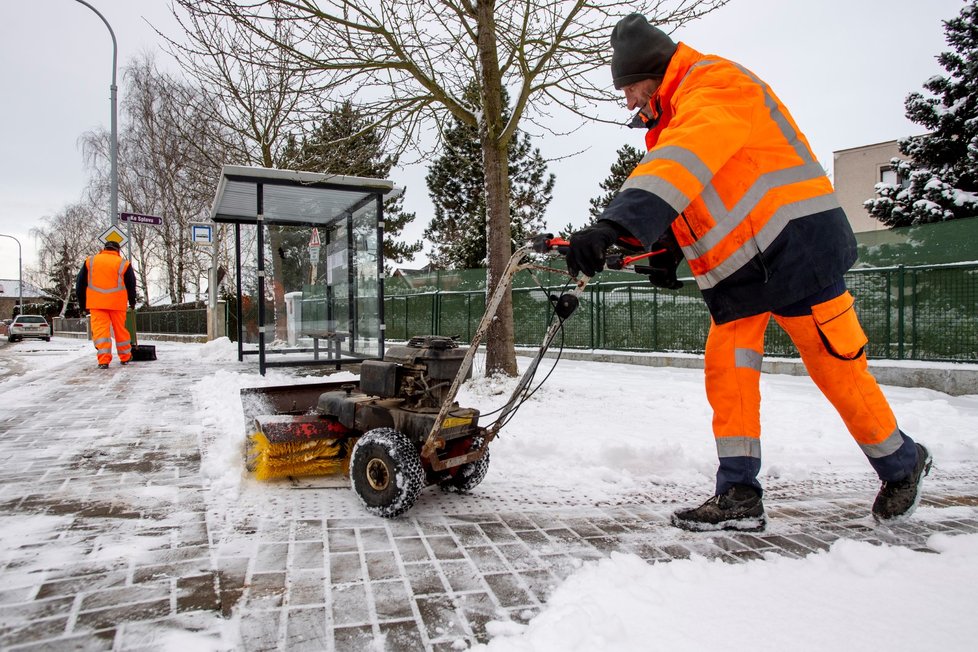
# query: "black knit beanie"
(639, 51)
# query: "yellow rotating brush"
(285, 446)
(271, 460)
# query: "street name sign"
(136, 218)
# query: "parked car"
(4, 324)
(29, 326)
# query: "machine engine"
(420, 372)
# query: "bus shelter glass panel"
(345, 301)
(368, 299)
(322, 301)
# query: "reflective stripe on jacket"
(106, 285)
(759, 222)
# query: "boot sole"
(752, 524)
(913, 507)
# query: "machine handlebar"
(548, 243)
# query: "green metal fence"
(176, 320)
(185, 321)
(926, 312)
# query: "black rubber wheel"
(385, 472)
(468, 476)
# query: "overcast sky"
(843, 67)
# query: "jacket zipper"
(760, 258)
(689, 227)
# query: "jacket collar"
(684, 58)
(652, 114)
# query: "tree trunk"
(500, 351)
(278, 287)
(64, 301)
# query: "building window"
(890, 175)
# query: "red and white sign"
(314, 247)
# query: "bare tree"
(160, 174)
(63, 241)
(169, 176)
(409, 62)
(251, 93)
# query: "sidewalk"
(132, 545)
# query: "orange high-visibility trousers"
(832, 347)
(104, 323)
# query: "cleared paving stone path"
(114, 540)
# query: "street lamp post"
(113, 143)
(20, 272)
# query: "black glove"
(661, 269)
(588, 246)
(664, 278)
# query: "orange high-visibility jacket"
(758, 220)
(106, 281)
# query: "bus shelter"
(309, 264)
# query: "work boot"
(123, 362)
(740, 508)
(103, 365)
(898, 499)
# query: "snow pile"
(220, 350)
(847, 598)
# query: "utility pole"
(113, 142)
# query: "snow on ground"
(855, 596)
(601, 431)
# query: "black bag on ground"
(143, 352)
(140, 352)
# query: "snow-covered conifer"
(939, 178)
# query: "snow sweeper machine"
(399, 428)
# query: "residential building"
(855, 172)
(10, 296)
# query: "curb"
(957, 380)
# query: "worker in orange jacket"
(730, 183)
(105, 284)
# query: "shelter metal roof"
(291, 196)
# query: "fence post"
(590, 316)
(631, 313)
(900, 308)
(435, 306)
(655, 318)
(913, 316)
(596, 330)
(889, 317)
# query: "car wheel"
(47, 339)
(385, 472)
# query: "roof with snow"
(11, 288)
(291, 196)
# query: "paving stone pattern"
(130, 545)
